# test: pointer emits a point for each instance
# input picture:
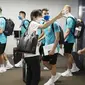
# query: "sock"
(7, 62)
(2, 65)
(53, 77)
(73, 64)
(69, 70)
(22, 59)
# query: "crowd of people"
(48, 31)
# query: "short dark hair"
(23, 13)
(0, 9)
(45, 9)
(35, 13)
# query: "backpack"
(78, 28)
(9, 27)
(23, 24)
(61, 34)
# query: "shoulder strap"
(71, 18)
(42, 23)
(26, 32)
(24, 24)
(52, 26)
(3, 18)
(5, 21)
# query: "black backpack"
(78, 28)
(9, 27)
(61, 41)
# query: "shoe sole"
(58, 77)
(9, 68)
(67, 75)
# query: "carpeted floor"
(14, 76)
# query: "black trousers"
(33, 70)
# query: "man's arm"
(57, 38)
(1, 30)
(41, 38)
(42, 34)
(43, 26)
(66, 33)
(81, 51)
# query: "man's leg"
(1, 59)
(69, 60)
(2, 69)
(46, 63)
(1, 54)
(68, 49)
(20, 63)
(74, 66)
(8, 64)
(54, 75)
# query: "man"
(51, 37)
(69, 41)
(3, 41)
(24, 26)
(45, 11)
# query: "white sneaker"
(50, 82)
(57, 76)
(67, 73)
(19, 64)
(9, 66)
(2, 70)
(45, 68)
(74, 68)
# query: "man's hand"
(51, 52)
(80, 52)
(60, 15)
(1, 31)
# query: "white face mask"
(64, 12)
(39, 20)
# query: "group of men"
(46, 36)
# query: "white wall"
(12, 7)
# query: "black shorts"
(2, 48)
(51, 59)
(68, 47)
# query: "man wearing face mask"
(44, 11)
(51, 37)
(24, 26)
(69, 41)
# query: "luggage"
(84, 63)
(24, 71)
(17, 55)
(78, 60)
